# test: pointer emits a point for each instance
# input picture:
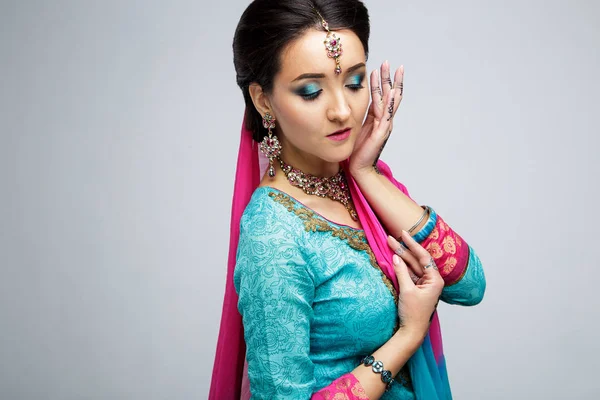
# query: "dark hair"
(268, 26)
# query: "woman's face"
(311, 102)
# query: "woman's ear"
(260, 99)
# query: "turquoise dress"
(313, 299)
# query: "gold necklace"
(336, 187)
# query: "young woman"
(334, 271)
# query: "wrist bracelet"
(377, 367)
(425, 212)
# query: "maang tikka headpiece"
(333, 44)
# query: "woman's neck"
(310, 164)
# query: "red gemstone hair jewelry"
(333, 44)
(270, 145)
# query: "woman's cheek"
(361, 105)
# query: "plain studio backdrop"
(120, 126)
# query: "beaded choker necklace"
(336, 187)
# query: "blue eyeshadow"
(308, 89)
(356, 79)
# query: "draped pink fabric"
(228, 367)
(229, 379)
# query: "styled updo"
(268, 26)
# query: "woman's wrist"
(411, 337)
(393, 354)
(364, 174)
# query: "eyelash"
(313, 96)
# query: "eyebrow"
(320, 76)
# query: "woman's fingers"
(405, 281)
(381, 85)
(376, 94)
(431, 274)
(399, 81)
(419, 251)
(399, 86)
(414, 277)
(386, 82)
(406, 255)
(381, 130)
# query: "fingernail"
(396, 259)
(404, 232)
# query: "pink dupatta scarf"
(230, 378)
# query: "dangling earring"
(270, 146)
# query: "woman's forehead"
(308, 54)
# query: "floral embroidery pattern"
(358, 391)
(449, 245)
(435, 250)
(346, 387)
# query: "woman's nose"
(339, 109)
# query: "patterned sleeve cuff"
(426, 230)
(447, 248)
(344, 387)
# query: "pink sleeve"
(346, 387)
(449, 250)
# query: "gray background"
(120, 125)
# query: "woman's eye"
(311, 96)
(309, 92)
(356, 82)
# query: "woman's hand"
(420, 285)
(385, 99)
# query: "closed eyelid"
(307, 89)
(357, 79)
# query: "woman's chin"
(341, 153)
(338, 157)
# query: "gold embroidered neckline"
(316, 214)
(355, 238)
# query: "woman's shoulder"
(269, 206)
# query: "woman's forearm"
(393, 354)
(398, 211)
(395, 210)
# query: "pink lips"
(340, 135)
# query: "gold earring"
(270, 145)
